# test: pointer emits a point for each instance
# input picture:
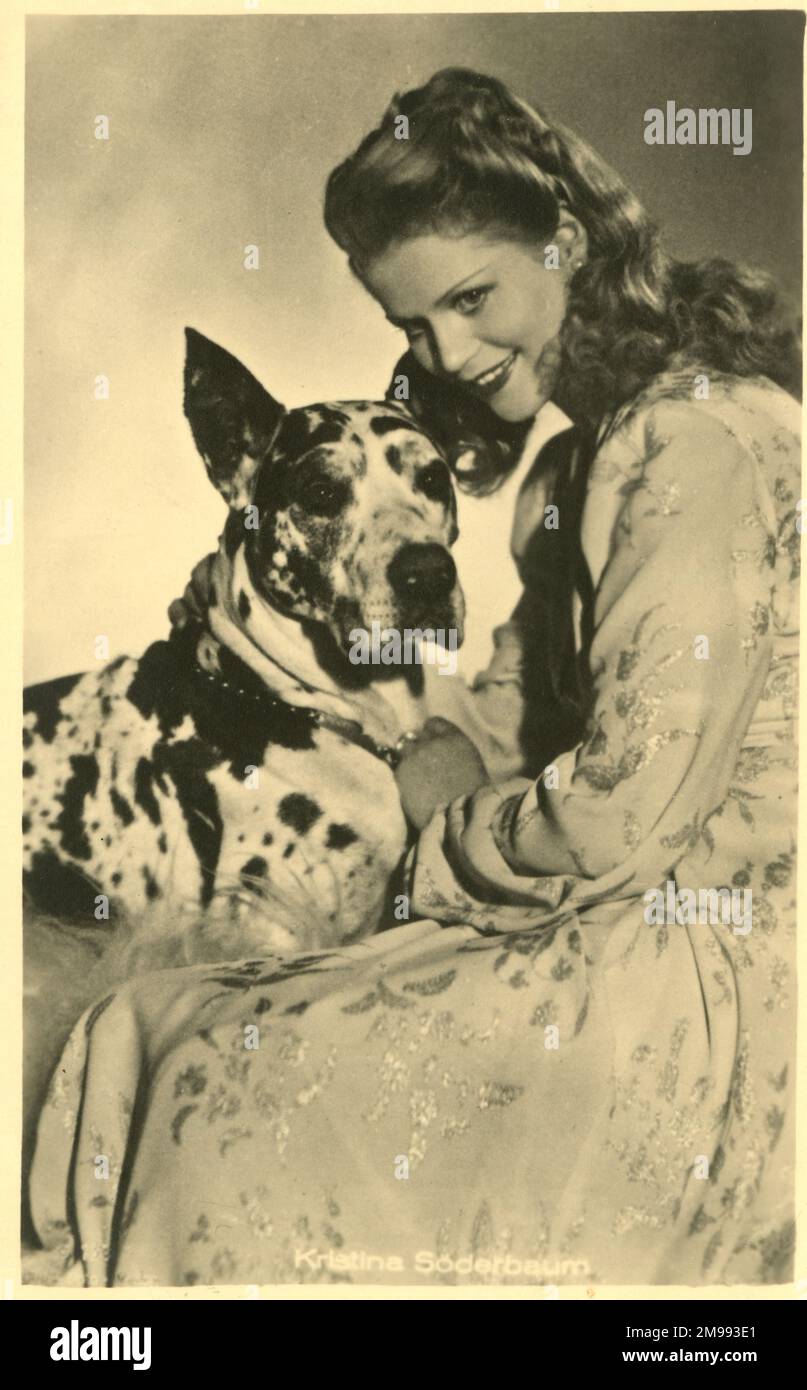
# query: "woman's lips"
(490, 382)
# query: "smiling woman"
(494, 331)
(530, 1080)
(509, 250)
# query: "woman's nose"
(453, 348)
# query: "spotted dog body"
(239, 766)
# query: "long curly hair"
(478, 158)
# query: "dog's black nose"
(422, 573)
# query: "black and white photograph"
(412, 518)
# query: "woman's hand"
(435, 768)
(195, 601)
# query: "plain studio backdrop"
(221, 134)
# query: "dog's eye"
(322, 496)
(435, 483)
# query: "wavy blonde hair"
(478, 158)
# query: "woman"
(554, 1077)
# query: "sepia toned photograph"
(412, 532)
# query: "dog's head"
(346, 510)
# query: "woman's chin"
(517, 411)
(519, 400)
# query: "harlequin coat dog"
(245, 765)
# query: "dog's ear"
(233, 418)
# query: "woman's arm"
(669, 712)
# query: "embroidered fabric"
(535, 1084)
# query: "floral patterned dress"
(535, 1084)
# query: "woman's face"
(484, 312)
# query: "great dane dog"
(245, 765)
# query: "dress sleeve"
(680, 649)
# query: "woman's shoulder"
(691, 398)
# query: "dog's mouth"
(446, 620)
(374, 633)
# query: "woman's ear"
(571, 240)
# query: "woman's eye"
(470, 300)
